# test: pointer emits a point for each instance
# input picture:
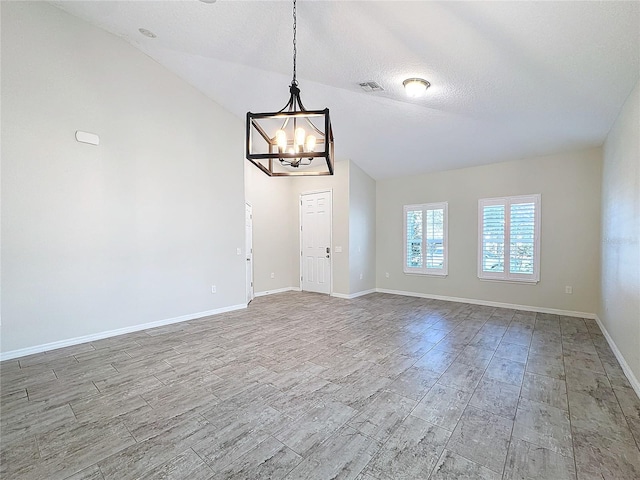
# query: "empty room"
(307, 239)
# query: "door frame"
(249, 288)
(311, 192)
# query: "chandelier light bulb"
(310, 144)
(415, 87)
(281, 139)
(299, 136)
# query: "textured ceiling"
(509, 80)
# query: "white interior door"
(315, 258)
(248, 249)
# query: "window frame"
(506, 275)
(424, 207)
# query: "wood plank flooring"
(305, 386)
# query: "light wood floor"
(304, 386)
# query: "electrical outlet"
(213, 289)
(273, 275)
(360, 276)
(238, 251)
(568, 289)
(386, 275)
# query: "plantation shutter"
(522, 238)
(493, 226)
(425, 239)
(509, 238)
(413, 234)
(434, 236)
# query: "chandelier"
(285, 143)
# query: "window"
(509, 238)
(425, 239)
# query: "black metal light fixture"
(285, 143)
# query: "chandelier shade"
(286, 143)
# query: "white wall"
(133, 231)
(620, 310)
(570, 224)
(273, 224)
(362, 230)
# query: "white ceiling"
(509, 80)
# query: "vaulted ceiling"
(509, 80)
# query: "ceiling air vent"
(371, 87)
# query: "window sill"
(420, 274)
(509, 280)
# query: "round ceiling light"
(415, 87)
(208, 1)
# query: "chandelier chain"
(295, 50)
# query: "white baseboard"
(353, 295)
(297, 289)
(341, 295)
(113, 333)
(623, 363)
(277, 290)
(474, 301)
